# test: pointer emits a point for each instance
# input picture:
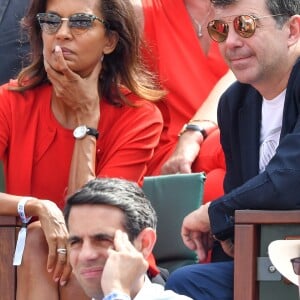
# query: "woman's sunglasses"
(296, 265)
(78, 23)
(243, 25)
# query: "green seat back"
(173, 197)
(2, 185)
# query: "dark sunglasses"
(296, 265)
(78, 23)
(243, 25)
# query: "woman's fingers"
(56, 233)
(62, 269)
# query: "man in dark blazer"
(259, 120)
(13, 45)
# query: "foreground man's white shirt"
(154, 291)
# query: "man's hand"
(124, 267)
(195, 231)
(228, 247)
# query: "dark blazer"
(278, 187)
(14, 45)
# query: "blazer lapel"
(249, 131)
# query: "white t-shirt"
(271, 123)
(154, 291)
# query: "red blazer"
(37, 150)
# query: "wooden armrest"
(6, 221)
(7, 249)
(246, 246)
(267, 216)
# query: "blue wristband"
(22, 233)
(21, 210)
(117, 296)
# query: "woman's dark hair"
(122, 67)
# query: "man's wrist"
(203, 127)
(208, 125)
(115, 295)
(201, 121)
(193, 127)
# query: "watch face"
(79, 132)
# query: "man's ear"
(111, 43)
(294, 28)
(145, 241)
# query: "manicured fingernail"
(57, 48)
(62, 283)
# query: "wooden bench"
(7, 248)
(254, 275)
(8, 239)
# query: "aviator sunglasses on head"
(78, 23)
(243, 25)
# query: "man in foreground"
(112, 232)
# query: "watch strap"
(194, 127)
(92, 131)
(82, 130)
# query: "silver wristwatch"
(81, 131)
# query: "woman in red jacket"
(77, 112)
